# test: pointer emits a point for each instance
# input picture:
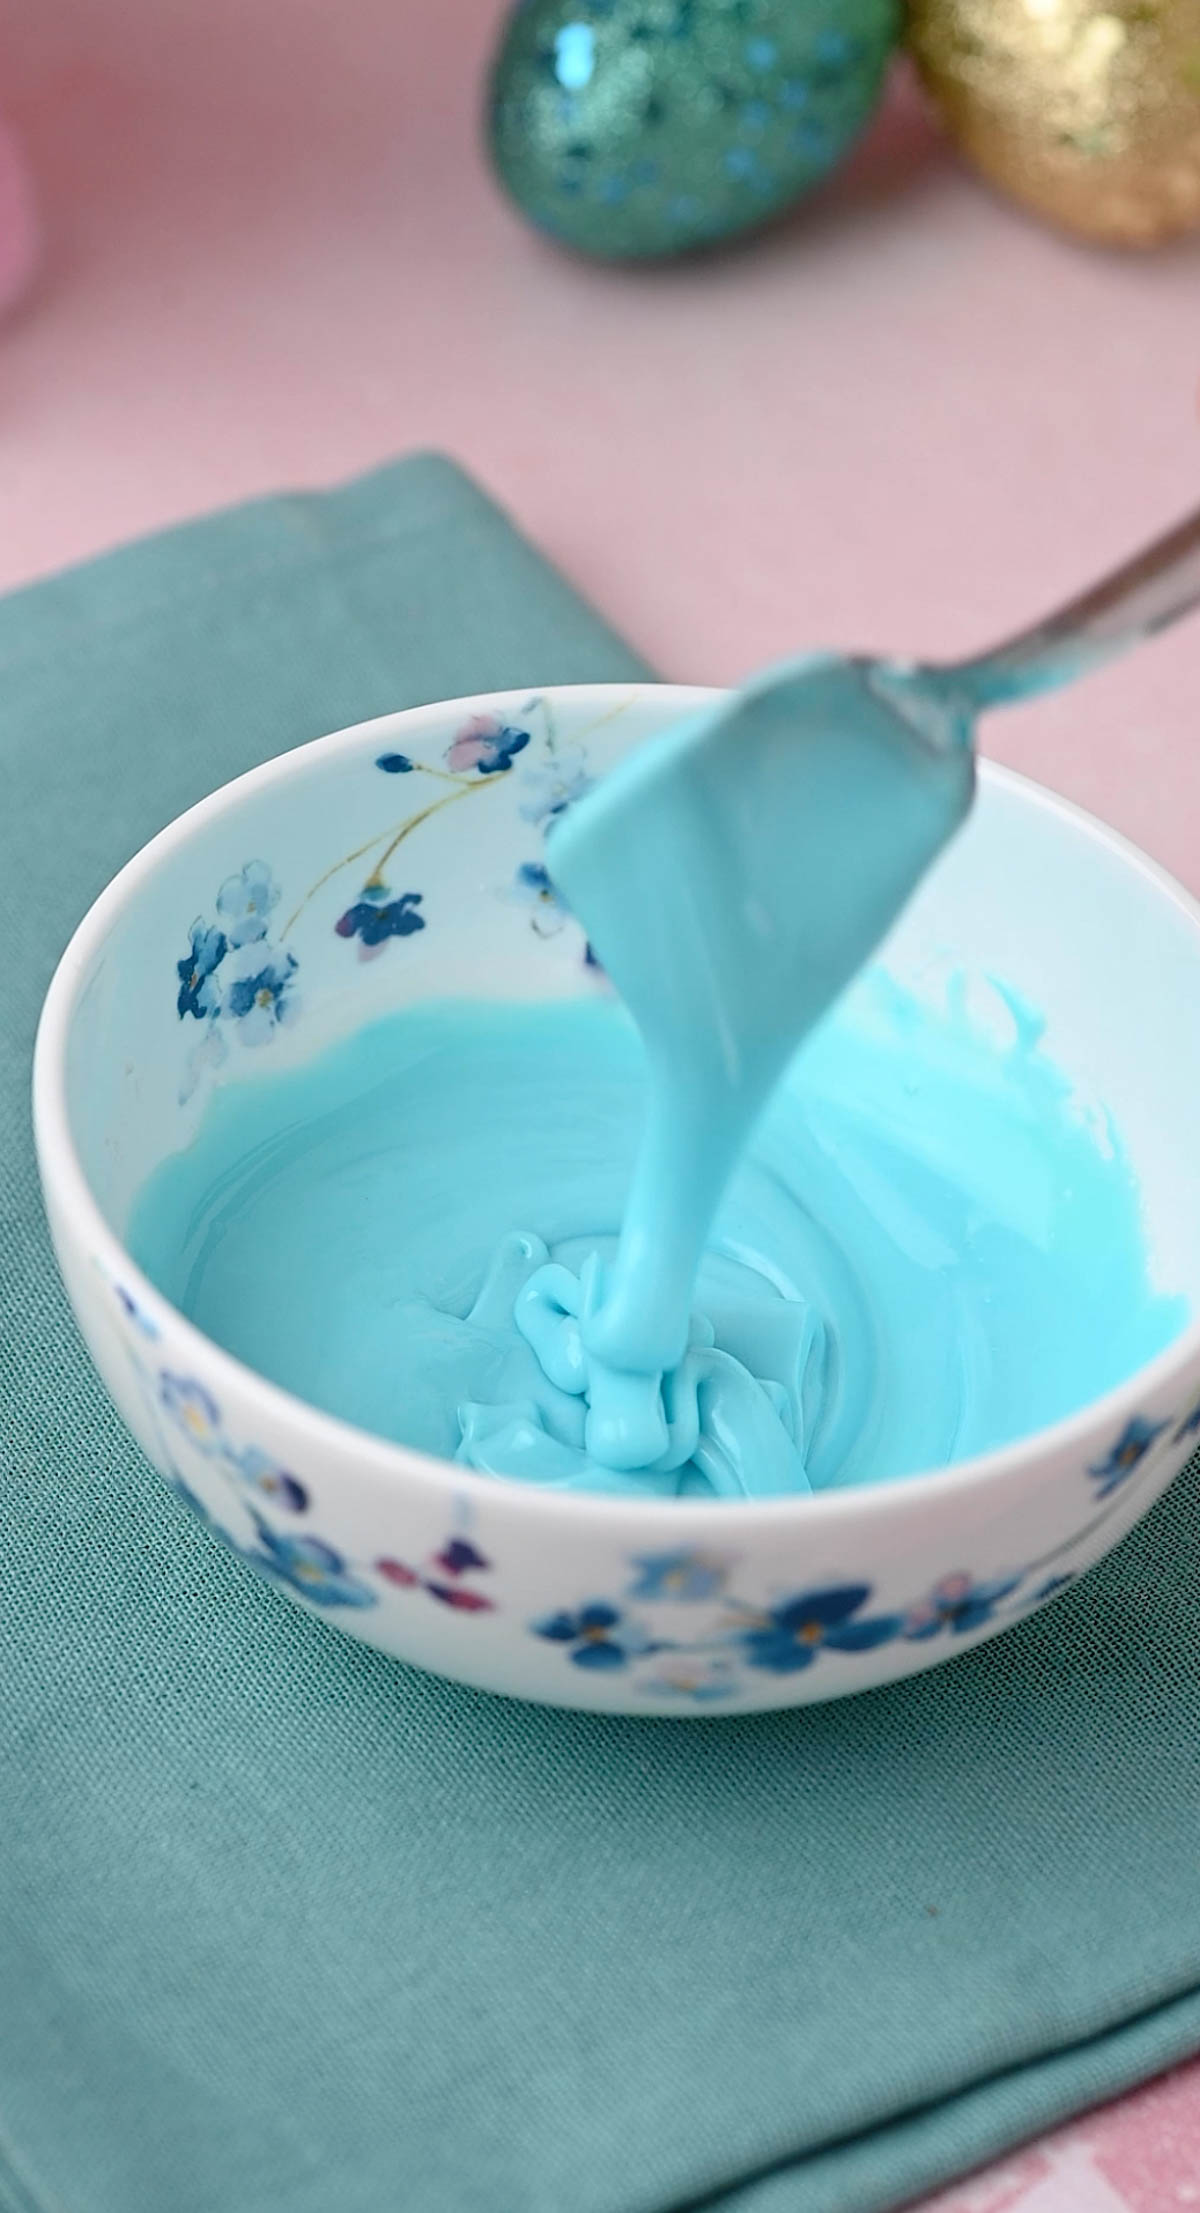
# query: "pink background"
(907, 418)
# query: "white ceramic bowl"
(630, 1606)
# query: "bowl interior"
(422, 837)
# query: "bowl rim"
(384, 1461)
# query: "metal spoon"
(1141, 597)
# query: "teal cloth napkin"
(288, 1928)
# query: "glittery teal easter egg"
(635, 128)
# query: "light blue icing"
(732, 877)
(925, 1250)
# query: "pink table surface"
(907, 418)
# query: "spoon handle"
(1144, 595)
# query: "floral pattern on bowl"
(783, 1638)
(234, 977)
(480, 755)
(788, 1635)
(251, 1480)
(1138, 1437)
(645, 1632)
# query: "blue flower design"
(198, 994)
(259, 1001)
(192, 1409)
(1129, 1450)
(270, 1481)
(135, 1313)
(373, 921)
(555, 787)
(788, 1637)
(503, 753)
(533, 885)
(308, 1566)
(599, 1635)
(248, 1553)
(682, 1575)
(395, 764)
(196, 1414)
(244, 903)
(957, 1604)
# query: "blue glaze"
(923, 1252)
(732, 878)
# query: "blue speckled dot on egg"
(637, 128)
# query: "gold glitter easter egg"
(1088, 111)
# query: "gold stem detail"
(461, 790)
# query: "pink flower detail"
(486, 745)
(473, 743)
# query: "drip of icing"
(732, 877)
(710, 1414)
